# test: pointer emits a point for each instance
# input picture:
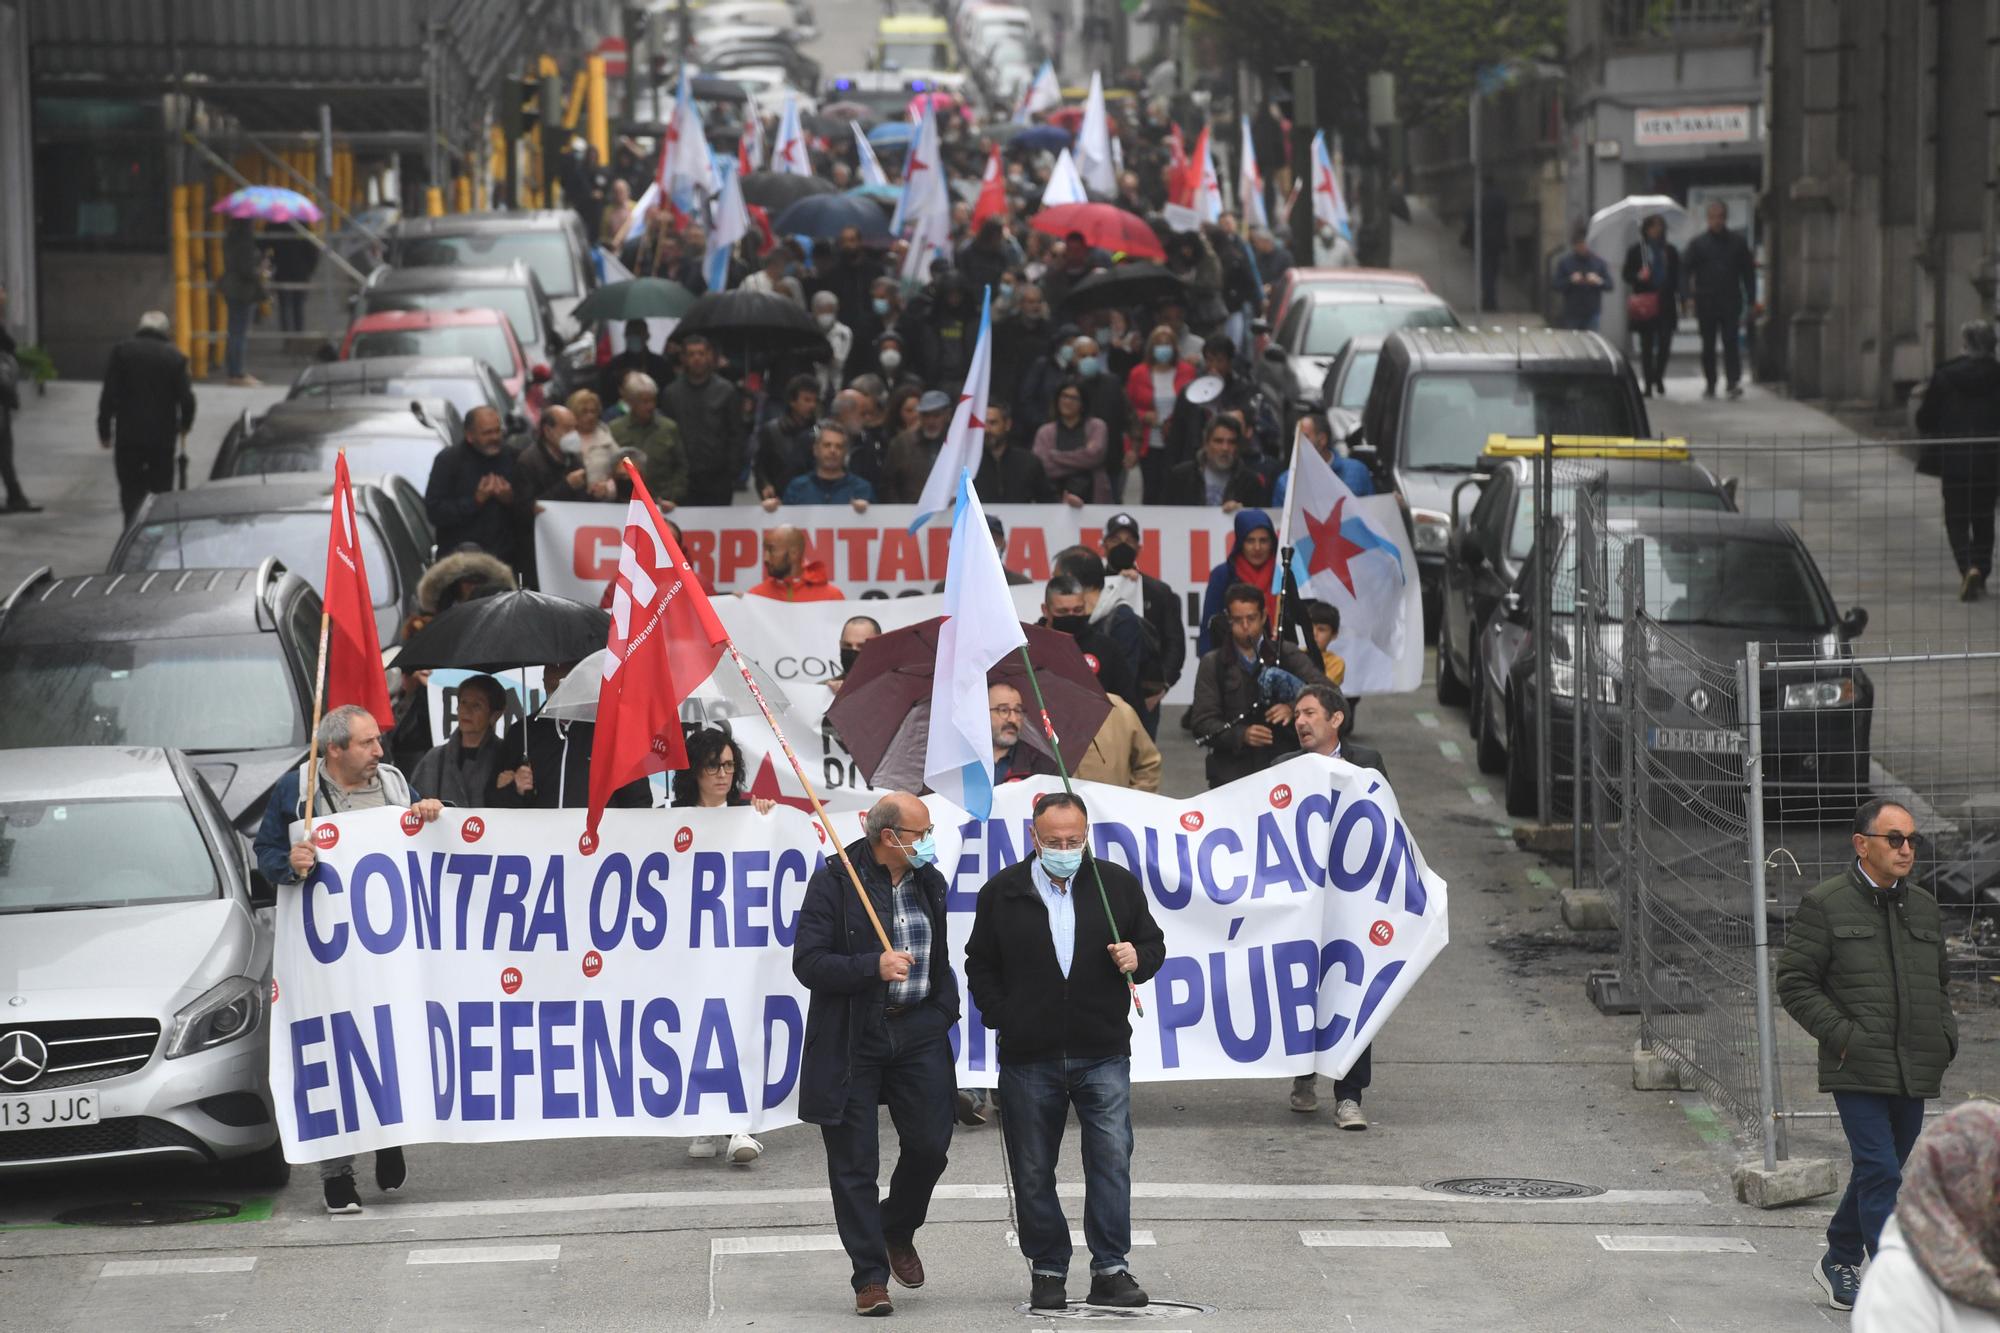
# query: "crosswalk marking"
(1395, 1240)
(488, 1254)
(1450, 750)
(771, 1244)
(1676, 1245)
(1479, 795)
(1429, 721)
(1076, 1238)
(241, 1263)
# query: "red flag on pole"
(1178, 190)
(665, 641)
(353, 650)
(992, 201)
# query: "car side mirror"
(540, 373)
(1851, 624)
(1730, 485)
(263, 893)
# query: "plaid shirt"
(910, 933)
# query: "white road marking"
(1428, 721)
(772, 1244)
(1676, 1245)
(165, 1267)
(488, 1254)
(1450, 750)
(1076, 1238)
(1480, 796)
(1399, 1240)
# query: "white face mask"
(890, 360)
(824, 320)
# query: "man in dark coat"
(638, 358)
(1018, 339)
(1235, 715)
(146, 405)
(1049, 973)
(1580, 280)
(850, 276)
(558, 758)
(1122, 539)
(476, 494)
(708, 409)
(1216, 476)
(785, 443)
(1008, 474)
(878, 1030)
(1721, 276)
(1961, 411)
(1864, 972)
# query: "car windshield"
(462, 392)
(914, 55)
(215, 692)
(230, 541)
(62, 855)
(1451, 413)
(1334, 322)
(546, 252)
(403, 456)
(488, 342)
(1360, 379)
(515, 303)
(1617, 497)
(1731, 582)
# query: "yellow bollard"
(198, 321)
(462, 194)
(433, 202)
(599, 121)
(177, 231)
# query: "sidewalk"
(1428, 244)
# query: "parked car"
(1440, 394)
(511, 289)
(1491, 541)
(1322, 322)
(1349, 376)
(216, 663)
(465, 382)
(140, 966)
(240, 521)
(550, 241)
(1299, 280)
(304, 435)
(1715, 581)
(907, 42)
(399, 334)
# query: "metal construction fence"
(1720, 755)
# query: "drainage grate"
(1513, 1187)
(147, 1213)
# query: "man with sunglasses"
(877, 1032)
(1864, 972)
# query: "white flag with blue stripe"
(979, 630)
(965, 442)
(871, 166)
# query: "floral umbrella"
(268, 203)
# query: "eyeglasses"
(1008, 710)
(720, 766)
(1897, 839)
(1064, 844)
(919, 834)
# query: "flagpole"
(1285, 527)
(1049, 730)
(319, 697)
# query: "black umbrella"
(824, 216)
(775, 191)
(754, 321)
(505, 630)
(636, 298)
(1137, 283)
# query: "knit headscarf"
(1949, 1206)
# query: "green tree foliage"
(1433, 47)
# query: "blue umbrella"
(894, 134)
(881, 194)
(1042, 139)
(824, 215)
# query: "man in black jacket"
(1216, 476)
(1234, 714)
(1008, 474)
(1721, 273)
(850, 276)
(1116, 653)
(1961, 410)
(785, 444)
(1122, 540)
(476, 495)
(878, 1031)
(558, 757)
(1318, 715)
(709, 411)
(1049, 974)
(147, 403)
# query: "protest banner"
(479, 979)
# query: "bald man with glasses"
(1864, 972)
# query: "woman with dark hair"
(901, 414)
(1074, 449)
(1653, 280)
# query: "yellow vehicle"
(914, 42)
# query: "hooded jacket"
(808, 585)
(1963, 403)
(1223, 575)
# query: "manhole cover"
(147, 1213)
(1513, 1187)
(1078, 1311)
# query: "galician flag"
(684, 178)
(750, 149)
(1250, 184)
(871, 166)
(1044, 93)
(1065, 185)
(1350, 552)
(1093, 142)
(966, 439)
(732, 224)
(1208, 183)
(788, 150)
(1329, 204)
(925, 207)
(979, 631)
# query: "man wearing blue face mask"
(1047, 977)
(878, 1033)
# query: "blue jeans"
(1034, 1106)
(240, 315)
(1880, 1131)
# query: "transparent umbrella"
(575, 700)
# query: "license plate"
(1695, 740)
(47, 1110)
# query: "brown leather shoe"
(907, 1267)
(873, 1299)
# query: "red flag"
(665, 640)
(992, 201)
(1177, 166)
(353, 650)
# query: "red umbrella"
(1071, 119)
(1105, 226)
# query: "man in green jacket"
(645, 429)
(1863, 971)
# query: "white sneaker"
(702, 1147)
(1347, 1114)
(744, 1150)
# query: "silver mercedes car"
(135, 969)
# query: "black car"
(1715, 581)
(465, 382)
(512, 289)
(1440, 394)
(551, 242)
(303, 435)
(1489, 547)
(239, 522)
(1349, 377)
(217, 663)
